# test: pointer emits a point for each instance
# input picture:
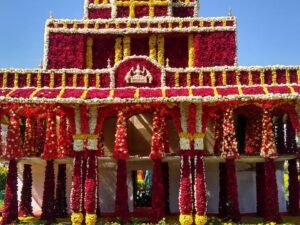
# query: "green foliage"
(3, 175)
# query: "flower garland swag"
(268, 151)
(26, 193)
(11, 152)
(90, 200)
(121, 154)
(230, 153)
(293, 206)
(158, 198)
(49, 154)
(61, 198)
(260, 185)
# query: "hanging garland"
(229, 147)
(157, 138)
(40, 136)
(50, 146)
(62, 144)
(218, 134)
(90, 199)
(26, 193)
(293, 205)
(121, 142)
(200, 192)
(48, 211)
(185, 192)
(291, 143)
(279, 134)
(12, 149)
(29, 138)
(268, 148)
(61, 198)
(10, 209)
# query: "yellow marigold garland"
(161, 49)
(51, 80)
(186, 219)
(200, 220)
(90, 219)
(89, 53)
(126, 46)
(76, 218)
(152, 46)
(191, 50)
(118, 49)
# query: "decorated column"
(11, 152)
(26, 193)
(157, 150)
(49, 154)
(199, 174)
(61, 198)
(269, 152)
(230, 153)
(185, 189)
(121, 155)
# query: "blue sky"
(268, 30)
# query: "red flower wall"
(104, 13)
(178, 56)
(214, 49)
(140, 45)
(66, 51)
(103, 49)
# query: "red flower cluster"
(29, 142)
(75, 200)
(253, 135)
(185, 192)
(200, 187)
(121, 142)
(157, 137)
(50, 147)
(90, 199)
(26, 193)
(61, 198)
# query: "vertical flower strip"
(218, 134)
(61, 198)
(223, 194)
(291, 143)
(126, 46)
(271, 209)
(293, 205)
(158, 198)
(90, 199)
(11, 152)
(62, 141)
(161, 49)
(75, 201)
(40, 132)
(200, 191)
(121, 154)
(268, 148)
(29, 138)
(230, 153)
(49, 154)
(260, 186)
(152, 46)
(185, 192)
(48, 211)
(26, 193)
(279, 134)
(10, 209)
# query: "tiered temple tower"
(130, 62)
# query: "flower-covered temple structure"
(148, 85)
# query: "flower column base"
(77, 218)
(200, 220)
(186, 219)
(91, 219)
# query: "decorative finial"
(229, 12)
(167, 63)
(41, 64)
(51, 15)
(108, 63)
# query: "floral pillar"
(157, 150)
(199, 174)
(11, 152)
(230, 153)
(26, 193)
(185, 189)
(49, 154)
(61, 198)
(269, 152)
(121, 155)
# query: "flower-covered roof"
(142, 51)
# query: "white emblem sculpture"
(138, 76)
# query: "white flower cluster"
(184, 142)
